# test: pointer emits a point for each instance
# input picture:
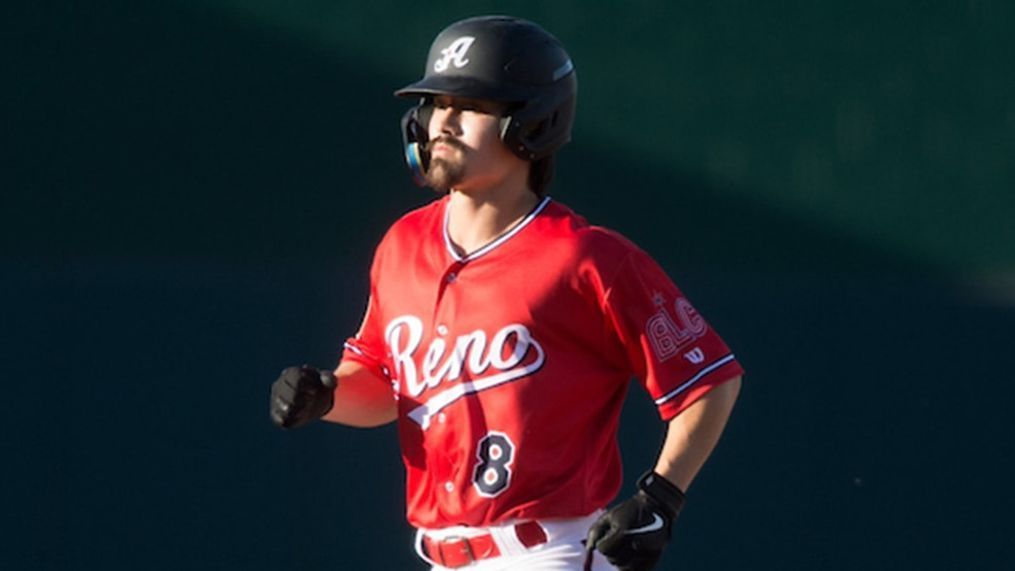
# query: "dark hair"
(541, 175)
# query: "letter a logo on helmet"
(455, 53)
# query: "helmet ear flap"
(539, 128)
(415, 138)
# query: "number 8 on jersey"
(493, 473)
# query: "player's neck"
(478, 218)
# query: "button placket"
(450, 277)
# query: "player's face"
(466, 152)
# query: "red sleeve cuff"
(356, 353)
(679, 398)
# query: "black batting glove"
(633, 534)
(300, 395)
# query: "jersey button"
(452, 277)
(442, 329)
(449, 487)
(441, 418)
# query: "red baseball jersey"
(510, 364)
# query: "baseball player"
(502, 330)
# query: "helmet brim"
(459, 86)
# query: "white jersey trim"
(354, 349)
(670, 395)
(497, 242)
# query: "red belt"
(456, 552)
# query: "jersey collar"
(492, 245)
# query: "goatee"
(443, 174)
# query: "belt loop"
(506, 540)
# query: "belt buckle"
(466, 548)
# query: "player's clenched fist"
(300, 395)
(633, 534)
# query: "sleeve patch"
(667, 333)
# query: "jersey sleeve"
(367, 347)
(669, 346)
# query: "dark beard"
(443, 175)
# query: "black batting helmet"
(497, 58)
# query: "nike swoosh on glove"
(633, 534)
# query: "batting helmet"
(504, 59)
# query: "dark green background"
(191, 193)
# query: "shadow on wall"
(155, 133)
